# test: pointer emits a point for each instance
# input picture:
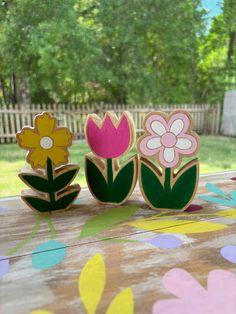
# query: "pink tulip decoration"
(168, 139)
(109, 139)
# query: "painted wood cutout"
(168, 138)
(51, 175)
(109, 139)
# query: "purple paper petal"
(234, 178)
(2, 210)
(165, 241)
(229, 253)
(4, 265)
(193, 208)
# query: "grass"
(217, 153)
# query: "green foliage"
(115, 51)
(58, 194)
(106, 220)
(162, 195)
(217, 50)
(112, 189)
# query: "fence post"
(206, 118)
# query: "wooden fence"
(206, 118)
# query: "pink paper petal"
(193, 208)
(218, 298)
(182, 284)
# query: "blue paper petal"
(213, 188)
(233, 195)
(48, 254)
(221, 201)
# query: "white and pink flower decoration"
(168, 137)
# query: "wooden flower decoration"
(168, 139)
(45, 141)
(47, 147)
(110, 138)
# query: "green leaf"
(114, 192)
(64, 179)
(36, 182)
(123, 182)
(96, 181)
(106, 220)
(37, 203)
(152, 186)
(66, 200)
(183, 189)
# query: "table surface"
(121, 259)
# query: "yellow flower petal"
(41, 312)
(177, 226)
(28, 138)
(45, 124)
(62, 137)
(228, 213)
(122, 303)
(92, 282)
(37, 158)
(57, 155)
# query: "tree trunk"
(232, 38)
(20, 90)
(3, 88)
(14, 89)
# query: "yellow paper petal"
(229, 213)
(92, 282)
(45, 124)
(122, 303)
(27, 138)
(177, 226)
(57, 155)
(38, 158)
(41, 312)
(62, 137)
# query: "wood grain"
(137, 265)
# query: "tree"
(115, 51)
(217, 50)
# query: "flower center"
(168, 139)
(46, 142)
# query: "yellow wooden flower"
(45, 141)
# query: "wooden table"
(134, 257)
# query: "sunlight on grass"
(217, 154)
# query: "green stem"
(109, 171)
(167, 186)
(50, 180)
(30, 237)
(51, 227)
